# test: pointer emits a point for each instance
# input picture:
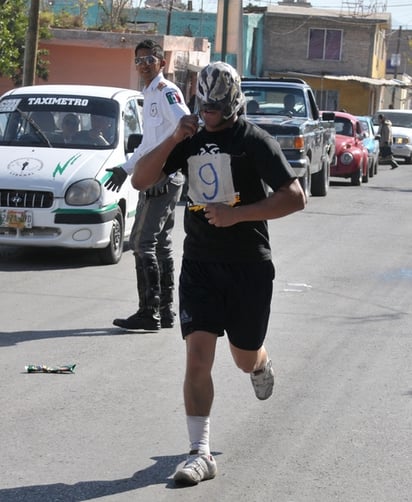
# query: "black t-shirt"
(234, 166)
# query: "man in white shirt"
(151, 234)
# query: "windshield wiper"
(35, 127)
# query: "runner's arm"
(148, 169)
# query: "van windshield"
(59, 121)
(397, 119)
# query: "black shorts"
(231, 297)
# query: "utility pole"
(224, 28)
(169, 17)
(397, 63)
(32, 38)
(229, 29)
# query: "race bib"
(210, 179)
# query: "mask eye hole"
(212, 107)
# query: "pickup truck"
(286, 108)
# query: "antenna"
(362, 8)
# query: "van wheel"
(113, 252)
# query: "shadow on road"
(390, 189)
(15, 337)
(17, 258)
(158, 473)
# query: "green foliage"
(13, 26)
(13, 29)
(113, 15)
(46, 19)
(66, 20)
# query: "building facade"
(107, 58)
(343, 56)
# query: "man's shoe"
(167, 316)
(139, 320)
(196, 468)
(263, 381)
(167, 322)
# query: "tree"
(13, 29)
(13, 23)
(113, 12)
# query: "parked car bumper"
(63, 228)
(345, 170)
(342, 171)
(402, 150)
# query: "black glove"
(117, 179)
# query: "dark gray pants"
(151, 242)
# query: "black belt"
(155, 191)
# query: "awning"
(371, 81)
(391, 82)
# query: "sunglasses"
(145, 60)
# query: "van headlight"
(83, 193)
(401, 140)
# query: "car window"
(366, 128)
(45, 120)
(261, 100)
(3, 122)
(132, 118)
(343, 126)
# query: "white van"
(401, 131)
(52, 179)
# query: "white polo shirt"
(163, 107)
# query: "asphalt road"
(338, 427)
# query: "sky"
(401, 10)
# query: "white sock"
(198, 428)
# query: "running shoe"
(196, 468)
(263, 381)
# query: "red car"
(351, 159)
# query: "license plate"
(14, 218)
